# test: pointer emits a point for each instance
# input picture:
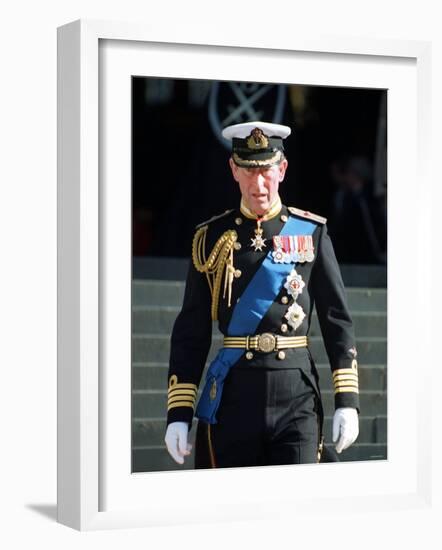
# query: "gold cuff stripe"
(181, 398)
(177, 386)
(346, 380)
(346, 389)
(344, 377)
(181, 392)
(180, 404)
(346, 383)
(344, 371)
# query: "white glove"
(176, 441)
(345, 427)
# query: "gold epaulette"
(220, 260)
(213, 218)
(307, 215)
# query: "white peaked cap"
(244, 129)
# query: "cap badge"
(257, 139)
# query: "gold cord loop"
(220, 258)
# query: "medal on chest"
(258, 242)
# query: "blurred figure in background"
(357, 221)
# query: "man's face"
(259, 186)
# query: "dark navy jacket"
(324, 289)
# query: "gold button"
(284, 300)
(284, 218)
(238, 273)
(237, 246)
(249, 355)
(238, 221)
(284, 327)
(281, 354)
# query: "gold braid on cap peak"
(220, 257)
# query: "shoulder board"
(213, 218)
(307, 215)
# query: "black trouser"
(266, 417)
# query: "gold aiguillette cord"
(228, 279)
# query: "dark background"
(336, 153)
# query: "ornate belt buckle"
(266, 342)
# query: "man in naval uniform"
(258, 271)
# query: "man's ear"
(282, 169)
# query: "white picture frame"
(84, 466)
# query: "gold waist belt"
(265, 342)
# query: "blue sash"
(255, 301)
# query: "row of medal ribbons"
(292, 248)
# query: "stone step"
(160, 320)
(151, 292)
(156, 458)
(153, 403)
(155, 347)
(170, 293)
(150, 431)
(146, 376)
